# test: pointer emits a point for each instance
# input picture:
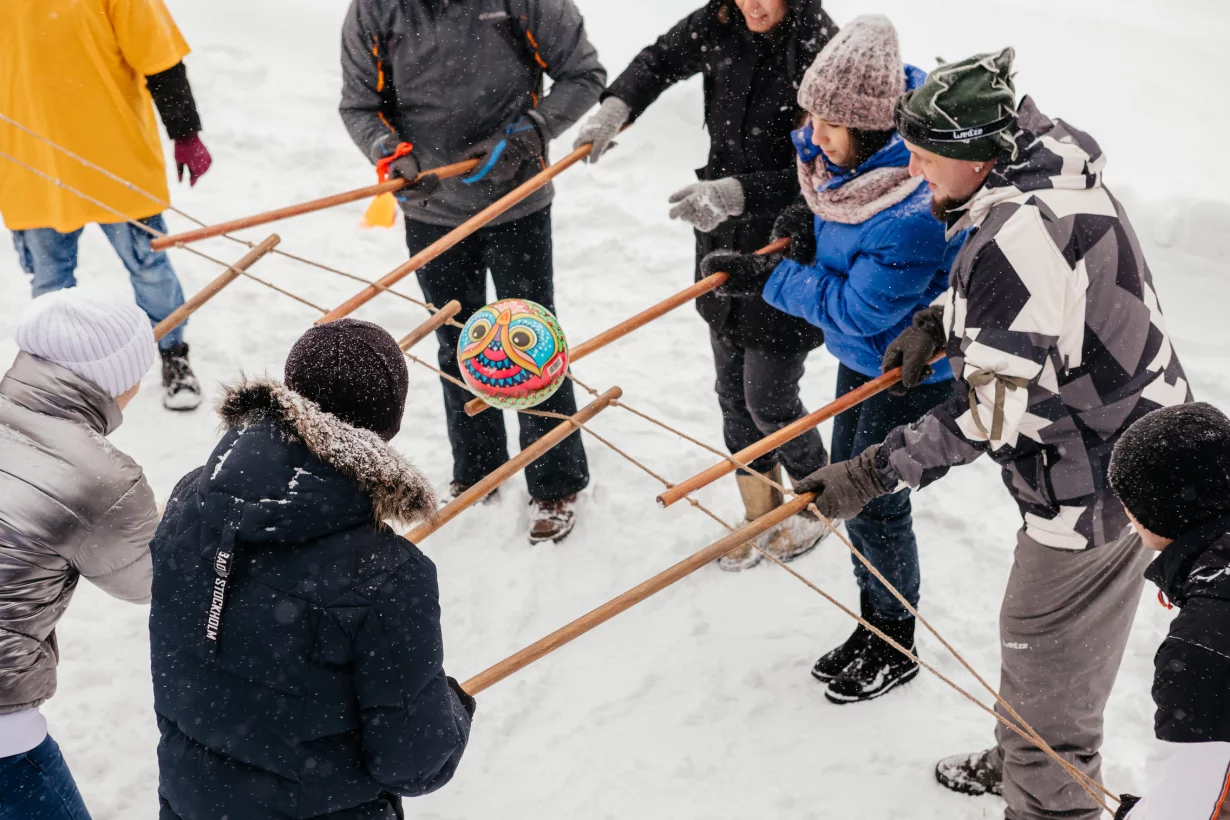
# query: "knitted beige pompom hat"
(857, 78)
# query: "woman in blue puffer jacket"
(866, 253)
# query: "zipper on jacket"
(224, 564)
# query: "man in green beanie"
(1054, 332)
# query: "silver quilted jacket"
(71, 505)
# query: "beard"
(943, 206)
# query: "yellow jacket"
(74, 71)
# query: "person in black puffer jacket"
(752, 55)
(1171, 470)
(295, 638)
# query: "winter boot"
(830, 666)
(880, 668)
(552, 520)
(796, 536)
(976, 774)
(181, 391)
(758, 499)
(456, 488)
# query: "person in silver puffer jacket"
(71, 506)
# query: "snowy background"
(697, 703)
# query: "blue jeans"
(37, 785)
(50, 257)
(884, 531)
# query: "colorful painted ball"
(513, 354)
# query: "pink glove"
(191, 153)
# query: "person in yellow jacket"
(83, 74)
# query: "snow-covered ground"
(697, 703)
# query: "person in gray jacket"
(432, 82)
(71, 506)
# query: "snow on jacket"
(1056, 335)
(882, 258)
(445, 75)
(75, 72)
(751, 83)
(323, 694)
(71, 505)
(1189, 767)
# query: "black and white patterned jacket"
(1189, 767)
(1056, 338)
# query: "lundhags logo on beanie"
(104, 340)
(964, 110)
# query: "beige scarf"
(860, 198)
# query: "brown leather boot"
(758, 499)
(552, 520)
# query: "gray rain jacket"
(71, 505)
(445, 75)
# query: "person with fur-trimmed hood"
(1171, 470)
(1053, 329)
(294, 636)
(752, 55)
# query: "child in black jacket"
(1171, 469)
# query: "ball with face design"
(513, 354)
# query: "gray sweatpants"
(1063, 628)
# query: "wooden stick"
(392, 186)
(211, 290)
(789, 432)
(429, 327)
(634, 596)
(456, 235)
(515, 464)
(476, 406)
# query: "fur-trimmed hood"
(398, 492)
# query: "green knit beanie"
(964, 110)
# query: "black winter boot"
(835, 662)
(976, 774)
(880, 667)
(181, 391)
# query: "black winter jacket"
(1189, 771)
(751, 87)
(323, 694)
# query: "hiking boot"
(879, 668)
(759, 499)
(835, 662)
(181, 390)
(456, 488)
(552, 520)
(796, 536)
(975, 774)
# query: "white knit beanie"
(103, 340)
(857, 78)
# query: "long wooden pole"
(392, 186)
(456, 235)
(789, 432)
(515, 464)
(211, 290)
(634, 596)
(711, 282)
(429, 327)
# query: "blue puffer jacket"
(868, 279)
(323, 695)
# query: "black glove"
(1126, 803)
(748, 272)
(500, 157)
(915, 347)
(799, 224)
(416, 193)
(843, 489)
(468, 703)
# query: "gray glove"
(708, 204)
(913, 349)
(601, 128)
(844, 488)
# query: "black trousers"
(519, 256)
(758, 392)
